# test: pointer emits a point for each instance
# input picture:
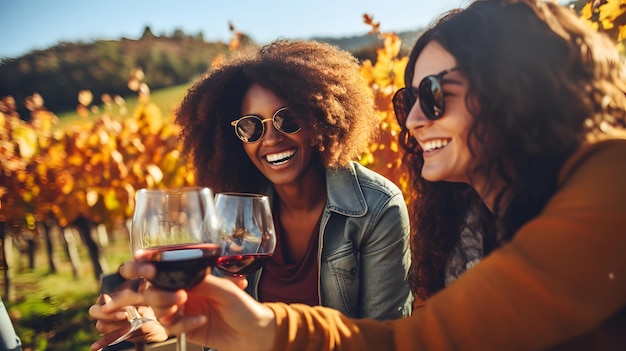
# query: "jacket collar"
(343, 191)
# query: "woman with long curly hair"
(289, 121)
(532, 100)
(514, 127)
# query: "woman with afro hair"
(289, 121)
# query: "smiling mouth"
(280, 157)
(435, 144)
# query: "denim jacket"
(364, 252)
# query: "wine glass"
(176, 230)
(247, 229)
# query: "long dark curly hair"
(321, 83)
(541, 82)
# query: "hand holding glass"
(111, 284)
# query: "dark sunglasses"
(250, 128)
(431, 98)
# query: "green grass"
(50, 311)
(166, 100)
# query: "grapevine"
(92, 171)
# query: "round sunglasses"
(250, 128)
(431, 98)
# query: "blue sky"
(37, 24)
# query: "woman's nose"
(416, 117)
(272, 135)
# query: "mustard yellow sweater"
(559, 284)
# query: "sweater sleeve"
(306, 328)
(562, 277)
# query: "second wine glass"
(247, 229)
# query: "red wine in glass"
(242, 264)
(180, 266)
(247, 229)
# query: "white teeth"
(434, 144)
(280, 157)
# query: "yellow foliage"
(111, 201)
(388, 72)
(26, 139)
(607, 16)
(92, 197)
(85, 97)
(95, 170)
(385, 77)
(622, 34)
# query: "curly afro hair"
(321, 83)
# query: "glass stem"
(132, 313)
(181, 342)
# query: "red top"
(283, 280)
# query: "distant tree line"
(104, 66)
